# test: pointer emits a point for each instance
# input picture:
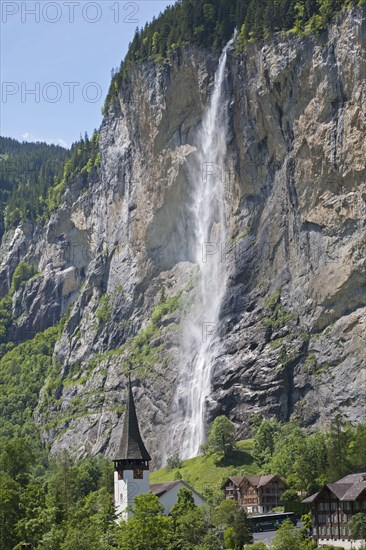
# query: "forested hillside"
(34, 175)
(210, 23)
(27, 171)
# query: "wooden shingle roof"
(131, 446)
(347, 489)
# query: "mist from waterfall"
(208, 228)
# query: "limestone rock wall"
(117, 259)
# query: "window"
(138, 473)
(120, 474)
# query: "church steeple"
(131, 462)
(131, 447)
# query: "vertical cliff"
(117, 260)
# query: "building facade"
(132, 473)
(257, 494)
(332, 508)
(168, 493)
(131, 463)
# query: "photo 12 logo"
(51, 92)
(213, 169)
(69, 11)
(211, 249)
(209, 331)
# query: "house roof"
(355, 491)
(311, 498)
(256, 481)
(349, 488)
(338, 489)
(261, 481)
(236, 480)
(353, 478)
(131, 446)
(160, 489)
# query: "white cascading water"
(208, 226)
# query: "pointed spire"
(131, 446)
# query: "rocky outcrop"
(117, 257)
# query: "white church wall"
(126, 489)
(170, 497)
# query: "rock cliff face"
(117, 258)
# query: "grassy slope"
(202, 471)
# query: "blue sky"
(56, 62)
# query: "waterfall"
(208, 238)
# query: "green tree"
(307, 521)
(235, 523)
(106, 469)
(221, 437)
(189, 529)
(210, 541)
(188, 521)
(265, 436)
(84, 536)
(287, 537)
(10, 492)
(23, 371)
(92, 525)
(35, 520)
(52, 539)
(16, 459)
(185, 503)
(229, 538)
(312, 464)
(357, 527)
(156, 43)
(339, 439)
(27, 170)
(23, 272)
(86, 477)
(357, 447)
(242, 528)
(148, 528)
(224, 515)
(290, 499)
(299, 458)
(173, 462)
(61, 487)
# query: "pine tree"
(221, 437)
(339, 438)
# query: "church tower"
(131, 462)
